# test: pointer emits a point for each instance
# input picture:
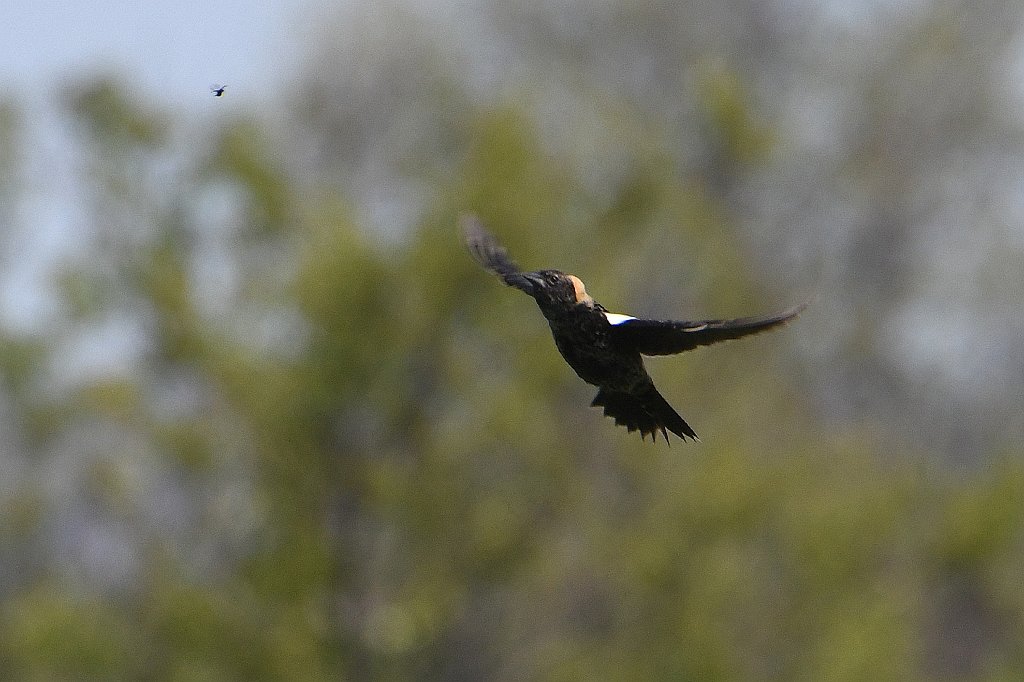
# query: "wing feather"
(488, 252)
(667, 337)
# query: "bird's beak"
(535, 280)
(519, 281)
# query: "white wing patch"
(615, 318)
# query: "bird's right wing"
(488, 252)
(667, 337)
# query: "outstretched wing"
(667, 337)
(488, 252)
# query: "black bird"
(217, 90)
(605, 348)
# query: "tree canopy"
(275, 424)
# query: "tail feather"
(645, 411)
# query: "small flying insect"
(217, 90)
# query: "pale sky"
(171, 50)
(171, 47)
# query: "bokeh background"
(262, 418)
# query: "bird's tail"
(645, 411)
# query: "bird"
(217, 90)
(606, 349)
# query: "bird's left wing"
(667, 337)
(488, 252)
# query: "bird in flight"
(217, 90)
(605, 348)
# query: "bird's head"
(557, 292)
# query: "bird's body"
(605, 349)
(217, 90)
(583, 335)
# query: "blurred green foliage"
(334, 456)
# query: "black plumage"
(605, 348)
